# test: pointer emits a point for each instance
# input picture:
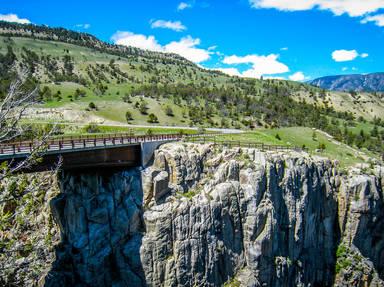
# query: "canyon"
(205, 215)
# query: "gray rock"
(160, 185)
(275, 221)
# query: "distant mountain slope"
(368, 83)
(76, 71)
(85, 40)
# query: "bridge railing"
(247, 144)
(72, 143)
(68, 143)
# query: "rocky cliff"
(208, 216)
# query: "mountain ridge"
(82, 39)
(373, 82)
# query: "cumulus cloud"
(353, 8)
(83, 26)
(175, 26)
(347, 55)
(230, 71)
(344, 55)
(13, 18)
(377, 19)
(136, 40)
(261, 65)
(298, 77)
(185, 47)
(183, 5)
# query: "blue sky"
(300, 39)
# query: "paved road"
(224, 131)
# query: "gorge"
(203, 215)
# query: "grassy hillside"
(100, 80)
(317, 142)
(83, 80)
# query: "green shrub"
(92, 106)
(152, 118)
(128, 116)
(169, 111)
(92, 129)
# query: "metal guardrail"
(248, 144)
(82, 142)
(99, 141)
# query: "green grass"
(133, 130)
(301, 136)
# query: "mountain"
(358, 83)
(84, 81)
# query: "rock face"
(100, 218)
(205, 217)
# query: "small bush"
(92, 129)
(92, 106)
(152, 119)
(322, 146)
(169, 111)
(128, 116)
(143, 107)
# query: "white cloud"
(230, 71)
(353, 8)
(347, 55)
(344, 55)
(186, 47)
(298, 77)
(344, 69)
(284, 49)
(377, 19)
(274, 78)
(212, 48)
(83, 26)
(261, 65)
(183, 5)
(175, 26)
(13, 18)
(136, 40)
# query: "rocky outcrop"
(255, 215)
(100, 218)
(203, 217)
(361, 253)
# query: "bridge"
(112, 150)
(108, 150)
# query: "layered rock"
(100, 219)
(202, 217)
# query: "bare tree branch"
(13, 106)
